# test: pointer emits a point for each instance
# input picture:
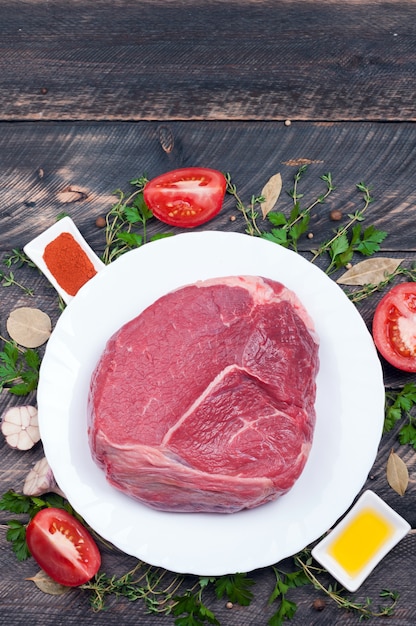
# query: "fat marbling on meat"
(205, 401)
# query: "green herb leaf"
(235, 587)
(278, 236)
(19, 370)
(399, 405)
(131, 239)
(277, 218)
(286, 611)
(371, 240)
(196, 613)
(407, 435)
(339, 245)
(16, 534)
(126, 214)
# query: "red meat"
(205, 401)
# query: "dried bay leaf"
(271, 192)
(370, 271)
(397, 473)
(48, 585)
(29, 327)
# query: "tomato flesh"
(186, 197)
(394, 327)
(62, 547)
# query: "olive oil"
(360, 540)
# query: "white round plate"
(349, 404)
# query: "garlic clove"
(20, 427)
(41, 480)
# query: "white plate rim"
(347, 435)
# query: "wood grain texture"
(93, 94)
(254, 60)
(47, 168)
(50, 168)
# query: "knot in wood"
(166, 139)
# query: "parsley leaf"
(236, 587)
(286, 610)
(407, 434)
(196, 613)
(399, 405)
(277, 235)
(339, 246)
(16, 534)
(370, 241)
(277, 218)
(284, 582)
(131, 239)
(19, 369)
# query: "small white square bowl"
(395, 529)
(35, 249)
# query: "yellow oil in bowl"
(359, 542)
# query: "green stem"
(358, 216)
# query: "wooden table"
(95, 94)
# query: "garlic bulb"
(20, 427)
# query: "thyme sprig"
(142, 582)
(126, 212)
(341, 246)
(288, 230)
(250, 213)
(15, 258)
(18, 258)
(336, 593)
(7, 280)
(367, 290)
(127, 221)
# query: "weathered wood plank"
(253, 60)
(40, 161)
(242, 68)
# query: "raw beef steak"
(205, 401)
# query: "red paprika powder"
(68, 263)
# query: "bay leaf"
(370, 271)
(271, 192)
(47, 584)
(397, 473)
(29, 327)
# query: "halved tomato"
(394, 327)
(186, 197)
(62, 547)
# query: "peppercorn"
(335, 215)
(100, 222)
(318, 604)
